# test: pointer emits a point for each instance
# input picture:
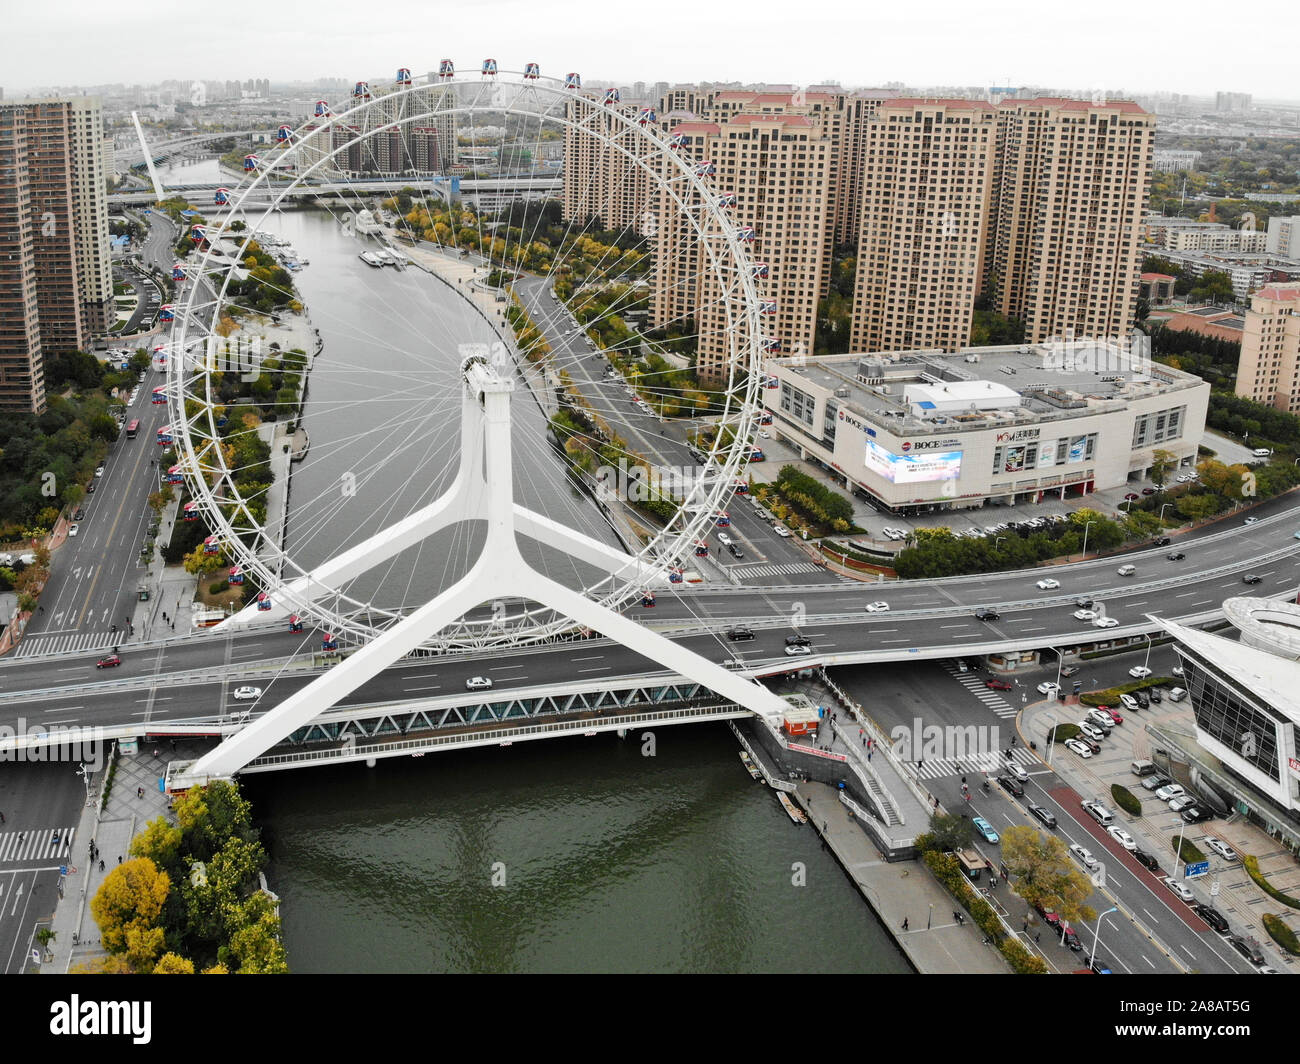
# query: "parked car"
(1090, 730)
(1078, 747)
(1129, 702)
(781, 531)
(1141, 699)
(1146, 860)
(1170, 790)
(1153, 693)
(1179, 887)
(1045, 815)
(1098, 720)
(1070, 938)
(99, 471)
(1212, 916)
(1221, 848)
(1110, 714)
(1152, 783)
(73, 529)
(1123, 838)
(1182, 802)
(1247, 949)
(81, 512)
(1194, 814)
(1088, 741)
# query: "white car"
(1085, 615)
(73, 529)
(1123, 838)
(1078, 747)
(1107, 622)
(1177, 670)
(247, 694)
(99, 471)
(1048, 585)
(724, 539)
(1170, 790)
(1085, 856)
(877, 607)
(1047, 687)
(478, 683)
(1129, 702)
(795, 650)
(1221, 848)
(781, 531)
(1018, 772)
(1139, 672)
(763, 434)
(1178, 887)
(1250, 520)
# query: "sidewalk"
(902, 891)
(76, 934)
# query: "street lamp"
(1096, 935)
(1163, 507)
(1086, 526)
(997, 540)
(1147, 660)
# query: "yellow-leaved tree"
(127, 907)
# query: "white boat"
(371, 259)
(796, 814)
(365, 222)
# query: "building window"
(1224, 713)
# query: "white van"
(1177, 694)
(1262, 452)
(1142, 768)
(1127, 570)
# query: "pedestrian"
(139, 792)
(1025, 927)
(119, 858)
(963, 782)
(1037, 935)
(56, 839)
(869, 756)
(956, 916)
(904, 923)
(101, 864)
(2, 818)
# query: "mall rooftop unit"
(929, 400)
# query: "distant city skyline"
(947, 44)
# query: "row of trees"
(819, 505)
(190, 898)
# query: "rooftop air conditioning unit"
(842, 392)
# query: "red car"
(108, 662)
(997, 685)
(1113, 714)
(1132, 497)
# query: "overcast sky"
(1108, 45)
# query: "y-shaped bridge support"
(148, 158)
(481, 491)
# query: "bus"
(132, 429)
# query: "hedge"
(1126, 799)
(1190, 852)
(1251, 865)
(1281, 934)
(1110, 696)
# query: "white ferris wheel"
(366, 536)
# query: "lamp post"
(1147, 660)
(929, 917)
(1096, 935)
(1163, 508)
(997, 540)
(1087, 525)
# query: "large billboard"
(913, 468)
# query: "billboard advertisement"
(913, 468)
(1014, 460)
(1078, 447)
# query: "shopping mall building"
(919, 430)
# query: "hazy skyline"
(1108, 46)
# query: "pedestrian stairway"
(35, 845)
(748, 572)
(975, 684)
(69, 643)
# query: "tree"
(210, 816)
(130, 899)
(1043, 874)
(197, 562)
(256, 946)
(1161, 462)
(948, 832)
(160, 843)
(173, 964)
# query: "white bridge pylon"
(481, 491)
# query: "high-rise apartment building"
(1269, 369)
(925, 197)
(606, 175)
(54, 217)
(1069, 187)
(22, 380)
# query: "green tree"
(948, 833)
(1162, 462)
(1043, 874)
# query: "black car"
(81, 512)
(798, 641)
(90, 488)
(1213, 917)
(1162, 541)
(1176, 556)
(1155, 782)
(1146, 860)
(735, 551)
(740, 633)
(1251, 578)
(1084, 603)
(1247, 949)
(1154, 694)
(1045, 815)
(1011, 786)
(1194, 814)
(1071, 939)
(1142, 699)
(986, 614)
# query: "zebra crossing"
(976, 686)
(990, 764)
(69, 643)
(746, 572)
(36, 844)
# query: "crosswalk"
(35, 844)
(975, 766)
(975, 684)
(68, 643)
(747, 572)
